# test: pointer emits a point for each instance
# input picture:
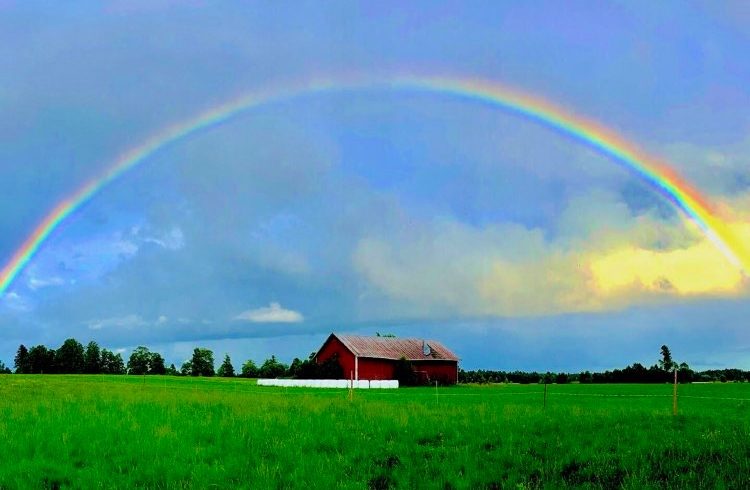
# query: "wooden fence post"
(674, 394)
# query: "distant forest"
(73, 358)
(661, 372)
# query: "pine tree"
(666, 362)
(22, 361)
(226, 370)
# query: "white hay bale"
(362, 384)
(342, 383)
(376, 384)
(390, 384)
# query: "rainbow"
(603, 140)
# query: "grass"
(162, 432)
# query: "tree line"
(661, 372)
(73, 358)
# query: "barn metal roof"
(396, 348)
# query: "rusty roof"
(396, 348)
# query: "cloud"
(174, 239)
(38, 283)
(718, 170)
(601, 259)
(15, 302)
(272, 313)
(127, 321)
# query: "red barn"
(376, 357)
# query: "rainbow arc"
(660, 176)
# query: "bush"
(404, 373)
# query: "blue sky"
(370, 211)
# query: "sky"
(375, 210)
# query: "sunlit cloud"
(592, 265)
(272, 313)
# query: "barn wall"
(376, 368)
(446, 372)
(346, 358)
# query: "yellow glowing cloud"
(697, 270)
(606, 260)
(614, 272)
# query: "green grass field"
(162, 432)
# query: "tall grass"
(162, 432)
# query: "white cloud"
(127, 321)
(38, 283)
(272, 313)
(174, 239)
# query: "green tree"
(295, 368)
(172, 371)
(3, 369)
(41, 360)
(92, 359)
(272, 368)
(21, 361)
(186, 369)
(202, 362)
(69, 357)
(404, 372)
(666, 362)
(156, 364)
(139, 361)
(118, 366)
(111, 363)
(226, 370)
(329, 369)
(107, 359)
(249, 370)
